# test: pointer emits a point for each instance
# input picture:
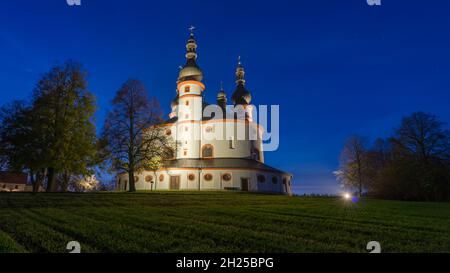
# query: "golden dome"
(190, 72)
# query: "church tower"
(190, 102)
(241, 96)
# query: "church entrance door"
(244, 184)
(174, 182)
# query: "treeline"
(52, 136)
(412, 164)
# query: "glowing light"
(347, 196)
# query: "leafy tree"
(54, 135)
(130, 132)
(154, 164)
(21, 144)
(64, 108)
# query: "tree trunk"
(65, 183)
(132, 186)
(40, 176)
(33, 178)
(51, 180)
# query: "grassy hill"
(217, 222)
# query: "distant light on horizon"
(347, 196)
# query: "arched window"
(161, 178)
(274, 179)
(207, 151)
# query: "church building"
(217, 146)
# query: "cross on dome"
(191, 30)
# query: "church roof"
(13, 178)
(234, 163)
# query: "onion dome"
(241, 95)
(190, 70)
(222, 98)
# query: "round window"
(149, 178)
(168, 132)
(261, 178)
(226, 177)
(191, 176)
(208, 177)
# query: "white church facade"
(217, 146)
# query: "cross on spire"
(191, 30)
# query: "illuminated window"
(187, 88)
(226, 177)
(149, 178)
(208, 177)
(207, 150)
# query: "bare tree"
(352, 163)
(131, 133)
(423, 136)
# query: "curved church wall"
(210, 179)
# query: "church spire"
(191, 71)
(240, 73)
(222, 98)
(191, 46)
(241, 95)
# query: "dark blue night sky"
(336, 68)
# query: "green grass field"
(217, 222)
